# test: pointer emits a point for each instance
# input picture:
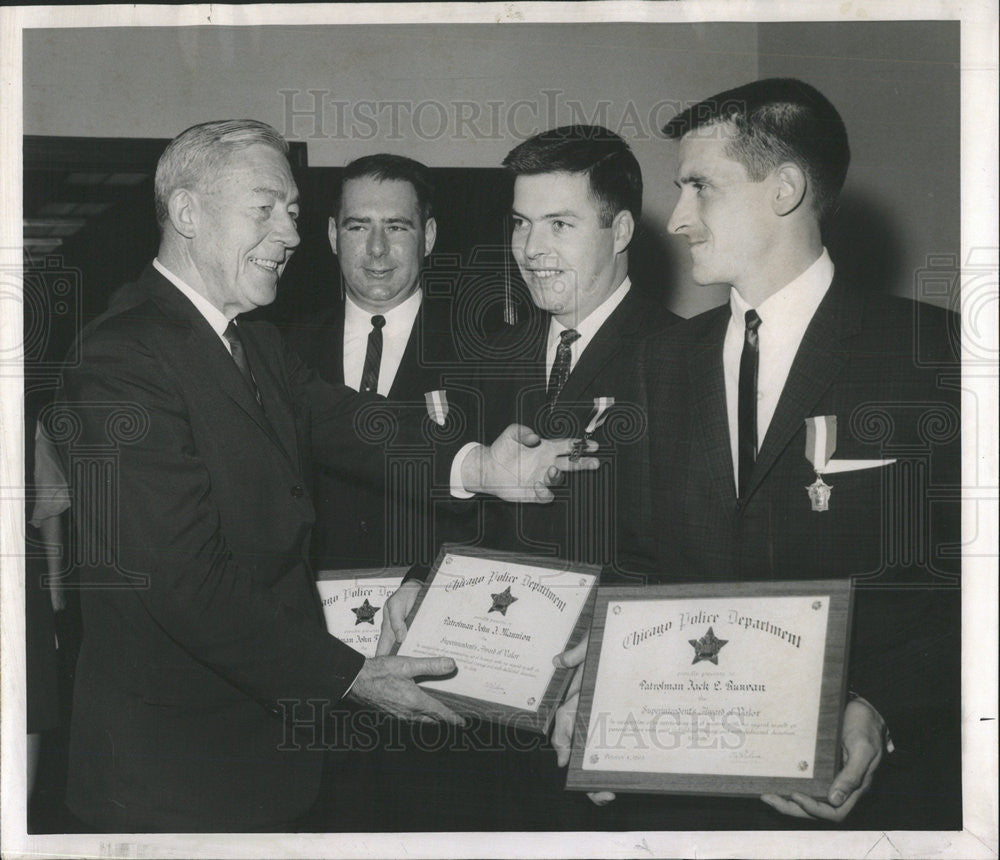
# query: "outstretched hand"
(520, 466)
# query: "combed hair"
(385, 167)
(615, 177)
(777, 120)
(198, 153)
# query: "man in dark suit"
(577, 195)
(205, 667)
(383, 334)
(728, 485)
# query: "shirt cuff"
(350, 686)
(457, 486)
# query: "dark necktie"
(232, 334)
(560, 367)
(748, 400)
(373, 357)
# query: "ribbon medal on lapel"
(437, 406)
(601, 407)
(821, 442)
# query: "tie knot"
(232, 333)
(378, 321)
(567, 337)
(752, 320)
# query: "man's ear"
(331, 232)
(623, 227)
(791, 185)
(182, 209)
(430, 235)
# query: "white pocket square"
(834, 466)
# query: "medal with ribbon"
(601, 407)
(437, 406)
(821, 442)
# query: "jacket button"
(363, 525)
(298, 492)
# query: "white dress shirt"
(587, 327)
(213, 316)
(395, 335)
(785, 316)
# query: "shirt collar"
(589, 326)
(795, 301)
(401, 316)
(213, 316)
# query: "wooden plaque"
(732, 689)
(502, 617)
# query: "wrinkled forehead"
(256, 168)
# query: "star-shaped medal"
(707, 648)
(501, 601)
(365, 612)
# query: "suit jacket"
(204, 647)
(358, 525)
(888, 370)
(579, 525)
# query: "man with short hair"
(205, 667)
(383, 334)
(733, 492)
(577, 197)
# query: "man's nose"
(534, 243)
(680, 218)
(377, 244)
(286, 232)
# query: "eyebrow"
(689, 178)
(395, 219)
(565, 213)
(275, 193)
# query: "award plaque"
(501, 617)
(714, 689)
(352, 603)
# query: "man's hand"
(863, 744)
(387, 683)
(520, 466)
(565, 718)
(394, 615)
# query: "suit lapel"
(409, 374)
(208, 358)
(610, 339)
(330, 356)
(279, 420)
(818, 362)
(710, 418)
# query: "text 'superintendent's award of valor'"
(714, 689)
(501, 617)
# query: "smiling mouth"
(267, 265)
(379, 273)
(542, 274)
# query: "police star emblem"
(365, 612)
(707, 648)
(501, 601)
